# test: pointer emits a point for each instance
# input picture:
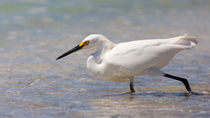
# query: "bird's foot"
(128, 92)
(132, 92)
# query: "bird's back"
(135, 56)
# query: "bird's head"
(91, 41)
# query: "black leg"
(132, 86)
(183, 80)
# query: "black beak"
(78, 47)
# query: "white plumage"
(130, 59)
(133, 58)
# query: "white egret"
(134, 58)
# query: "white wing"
(139, 55)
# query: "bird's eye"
(85, 43)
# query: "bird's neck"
(105, 45)
(93, 66)
(95, 60)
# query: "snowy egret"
(135, 58)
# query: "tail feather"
(186, 41)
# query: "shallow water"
(34, 32)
